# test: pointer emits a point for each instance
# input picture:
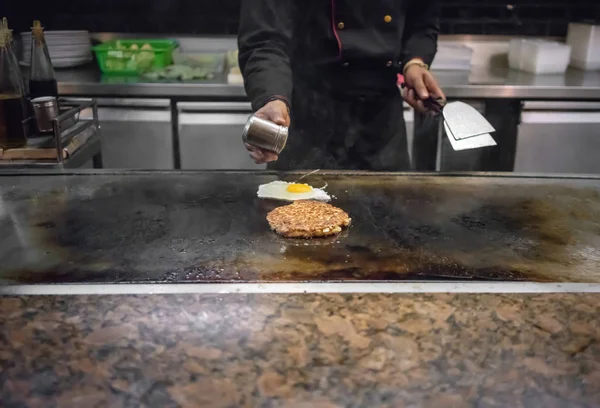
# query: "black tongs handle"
(432, 104)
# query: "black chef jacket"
(355, 46)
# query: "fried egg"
(281, 190)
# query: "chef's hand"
(277, 112)
(421, 82)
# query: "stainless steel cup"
(265, 134)
(45, 109)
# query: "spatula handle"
(433, 104)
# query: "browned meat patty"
(308, 219)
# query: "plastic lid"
(44, 99)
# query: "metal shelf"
(68, 131)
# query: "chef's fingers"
(415, 103)
(409, 97)
(257, 157)
(270, 114)
(281, 118)
(260, 156)
(255, 153)
(270, 156)
(419, 86)
(264, 158)
(276, 112)
(404, 93)
(251, 148)
(433, 86)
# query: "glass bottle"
(42, 80)
(12, 54)
(12, 112)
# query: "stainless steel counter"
(79, 289)
(182, 129)
(89, 81)
(484, 83)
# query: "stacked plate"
(66, 48)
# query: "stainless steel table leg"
(440, 141)
(175, 135)
(97, 161)
(432, 152)
(424, 143)
(505, 116)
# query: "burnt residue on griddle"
(531, 227)
(454, 233)
(547, 221)
(212, 228)
(430, 272)
(362, 263)
(537, 228)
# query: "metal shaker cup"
(265, 134)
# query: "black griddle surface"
(211, 227)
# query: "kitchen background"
(546, 117)
(521, 17)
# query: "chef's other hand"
(421, 82)
(277, 112)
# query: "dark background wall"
(520, 17)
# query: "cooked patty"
(308, 219)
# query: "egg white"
(277, 190)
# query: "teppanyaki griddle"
(211, 227)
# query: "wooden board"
(29, 153)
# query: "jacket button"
(387, 18)
(388, 64)
(341, 25)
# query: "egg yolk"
(299, 188)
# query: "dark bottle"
(11, 52)
(13, 55)
(42, 80)
(12, 112)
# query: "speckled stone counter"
(324, 351)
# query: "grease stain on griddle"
(212, 228)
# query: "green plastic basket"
(126, 57)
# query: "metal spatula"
(310, 173)
(465, 127)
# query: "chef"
(329, 69)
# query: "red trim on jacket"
(337, 37)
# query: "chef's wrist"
(414, 62)
(279, 98)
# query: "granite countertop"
(304, 350)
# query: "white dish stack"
(538, 56)
(585, 41)
(452, 57)
(66, 48)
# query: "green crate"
(118, 58)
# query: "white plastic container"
(213, 62)
(539, 56)
(585, 41)
(452, 57)
(514, 53)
